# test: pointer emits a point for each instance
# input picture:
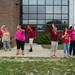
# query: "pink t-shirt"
(72, 35)
(20, 36)
(6, 36)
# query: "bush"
(43, 39)
(59, 39)
(46, 39)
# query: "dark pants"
(72, 47)
(20, 44)
(1, 44)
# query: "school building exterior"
(36, 12)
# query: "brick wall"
(9, 14)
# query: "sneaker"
(22, 53)
(5, 49)
(10, 49)
(30, 50)
(17, 53)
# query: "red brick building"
(9, 14)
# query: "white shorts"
(54, 45)
(31, 41)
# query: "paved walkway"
(38, 51)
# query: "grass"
(39, 67)
(60, 46)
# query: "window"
(57, 16)
(48, 21)
(49, 9)
(32, 9)
(57, 9)
(64, 17)
(49, 16)
(39, 12)
(49, 2)
(41, 16)
(41, 9)
(32, 2)
(32, 16)
(25, 21)
(25, 9)
(64, 9)
(41, 2)
(57, 2)
(32, 21)
(65, 21)
(41, 21)
(25, 16)
(64, 2)
(25, 2)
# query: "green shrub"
(43, 39)
(46, 39)
(59, 39)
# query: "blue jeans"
(66, 48)
(6, 45)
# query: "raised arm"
(2, 28)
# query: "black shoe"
(30, 50)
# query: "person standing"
(5, 38)
(72, 42)
(1, 34)
(20, 39)
(54, 38)
(66, 42)
(31, 36)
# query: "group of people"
(20, 38)
(68, 37)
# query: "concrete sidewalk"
(38, 51)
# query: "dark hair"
(70, 28)
(22, 27)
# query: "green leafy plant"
(43, 39)
(46, 39)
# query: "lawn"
(38, 67)
(48, 46)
